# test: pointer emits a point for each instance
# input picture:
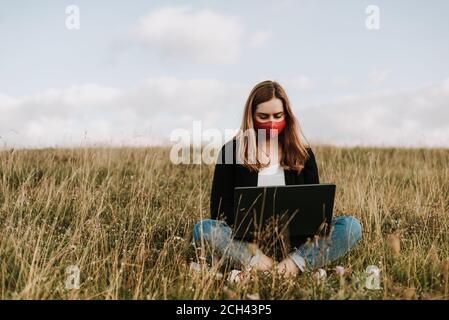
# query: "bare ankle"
(260, 261)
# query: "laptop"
(297, 210)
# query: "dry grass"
(124, 217)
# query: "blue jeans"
(346, 231)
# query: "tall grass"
(124, 217)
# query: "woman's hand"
(287, 268)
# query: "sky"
(136, 71)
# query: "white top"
(272, 175)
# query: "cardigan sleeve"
(222, 191)
(311, 175)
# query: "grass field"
(124, 218)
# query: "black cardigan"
(229, 174)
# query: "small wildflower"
(320, 275)
(234, 276)
(339, 271)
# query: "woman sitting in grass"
(268, 108)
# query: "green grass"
(124, 217)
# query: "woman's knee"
(352, 228)
(204, 229)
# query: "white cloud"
(202, 36)
(259, 38)
(409, 118)
(91, 113)
(146, 114)
(6, 102)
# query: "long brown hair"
(294, 151)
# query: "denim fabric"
(346, 231)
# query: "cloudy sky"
(137, 70)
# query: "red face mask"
(277, 127)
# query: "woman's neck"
(270, 150)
